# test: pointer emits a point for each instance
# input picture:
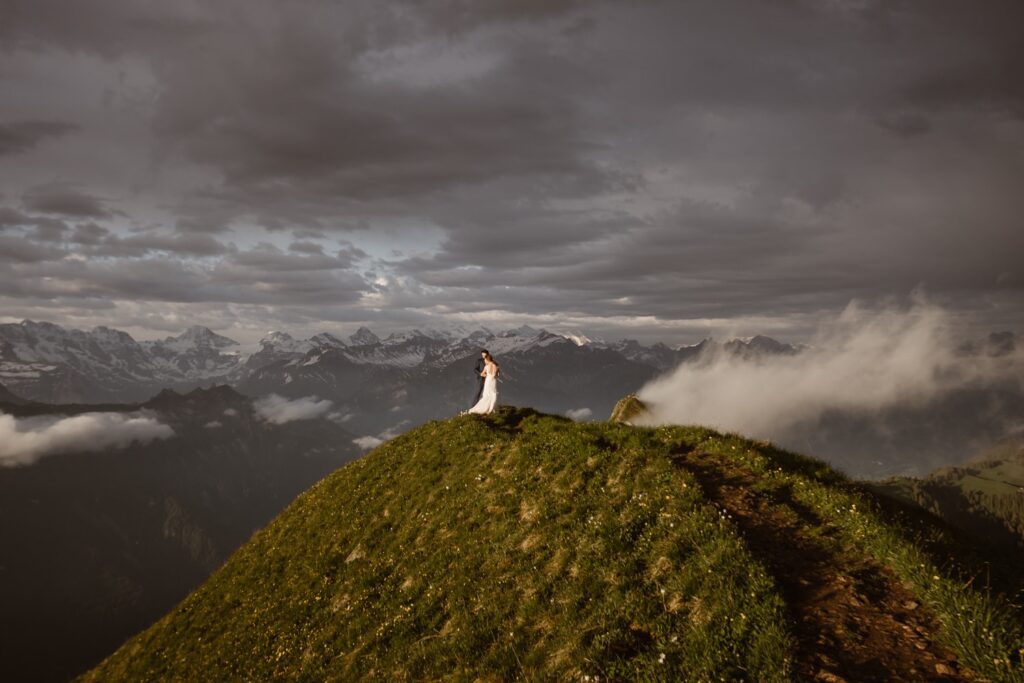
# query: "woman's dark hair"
(491, 358)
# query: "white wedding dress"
(488, 399)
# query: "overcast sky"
(660, 170)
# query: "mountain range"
(380, 387)
(378, 384)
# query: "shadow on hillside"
(986, 565)
(509, 419)
(983, 563)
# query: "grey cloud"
(281, 149)
(295, 131)
(94, 239)
(65, 200)
(905, 124)
(453, 16)
(26, 440)
(48, 229)
(89, 233)
(259, 276)
(18, 137)
(280, 410)
(140, 244)
(306, 248)
(43, 228)
(267, 257)
(600, 159)
(19, 250)
(106, 27)
(10, 218)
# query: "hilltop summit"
(528, 546)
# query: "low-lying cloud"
(370, 442)
(279, 410)
(579, 413)
(24, 441)
(861, 365)
(367, 442)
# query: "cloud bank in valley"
(367, 442)
(579, 414)
(370, 442)
(862, 363)
(26, 440)
(279, 410)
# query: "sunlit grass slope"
(527, 546)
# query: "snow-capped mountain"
(364, 337)
(196, 354)
(659, 355)
(373, 373)
(47, 362)
(760, 345)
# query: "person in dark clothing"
(477, 370)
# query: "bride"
(489, 397)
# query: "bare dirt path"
(852, 619)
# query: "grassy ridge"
(525, 545)
(984, 496)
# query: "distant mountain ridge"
(46, 362)
(383, 385)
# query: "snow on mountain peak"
(326, 339)
(577, 338)
(109, 334)
(364, 336)
(202, 336)
(276, 337)
(522, 331)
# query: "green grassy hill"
(984, 496)
(526, 546)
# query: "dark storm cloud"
(904, 124)
(266, 257)
(295, 152)
(21, 136)
(107, 27)
(460, 15)
(306, 248)
(37, 273)
(89, 234)
(273, 100)
(42, 228)
(16, 250)
(536, 157)
(140, 244)
(65, 200)
(10, 218)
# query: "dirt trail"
(852, 619)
